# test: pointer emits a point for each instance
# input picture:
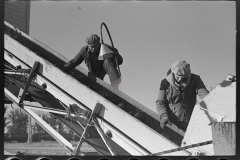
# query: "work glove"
(164, 121)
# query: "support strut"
(104, 138)
(96, 110)
(32, 73)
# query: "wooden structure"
(98, 118)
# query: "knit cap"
(181, 68)
(92, 39)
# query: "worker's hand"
(164, 121)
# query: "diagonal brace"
(96, 110)
(103, 136)
(33, 71)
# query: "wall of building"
(17, 13)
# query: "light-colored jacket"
(178, 102)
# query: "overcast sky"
(149, 35)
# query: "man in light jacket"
(178, 95)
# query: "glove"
(164, 120)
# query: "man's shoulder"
(164, 82)
(84, 48)
(194, 76)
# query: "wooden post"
(30, 131)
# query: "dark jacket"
(178, 103)
(91, 60)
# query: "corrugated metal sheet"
(17, 13)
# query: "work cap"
(92, 39)
(181, 68)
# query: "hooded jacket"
(177, 102)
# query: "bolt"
(44, 85)
(184, 143)
(108, 134)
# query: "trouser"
(110, 67)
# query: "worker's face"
(180, 79)
(94, 47)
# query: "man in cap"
(89, 53)
(177, 95)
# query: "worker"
(99, 68)
(177, 95)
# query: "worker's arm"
(78, 59)
(161, 105)
(201, 88)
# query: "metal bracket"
(34, 69)
(96, 110)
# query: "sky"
(150, 36)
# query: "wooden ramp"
(130, 136)
(110, 129)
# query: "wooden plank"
(144, 135)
